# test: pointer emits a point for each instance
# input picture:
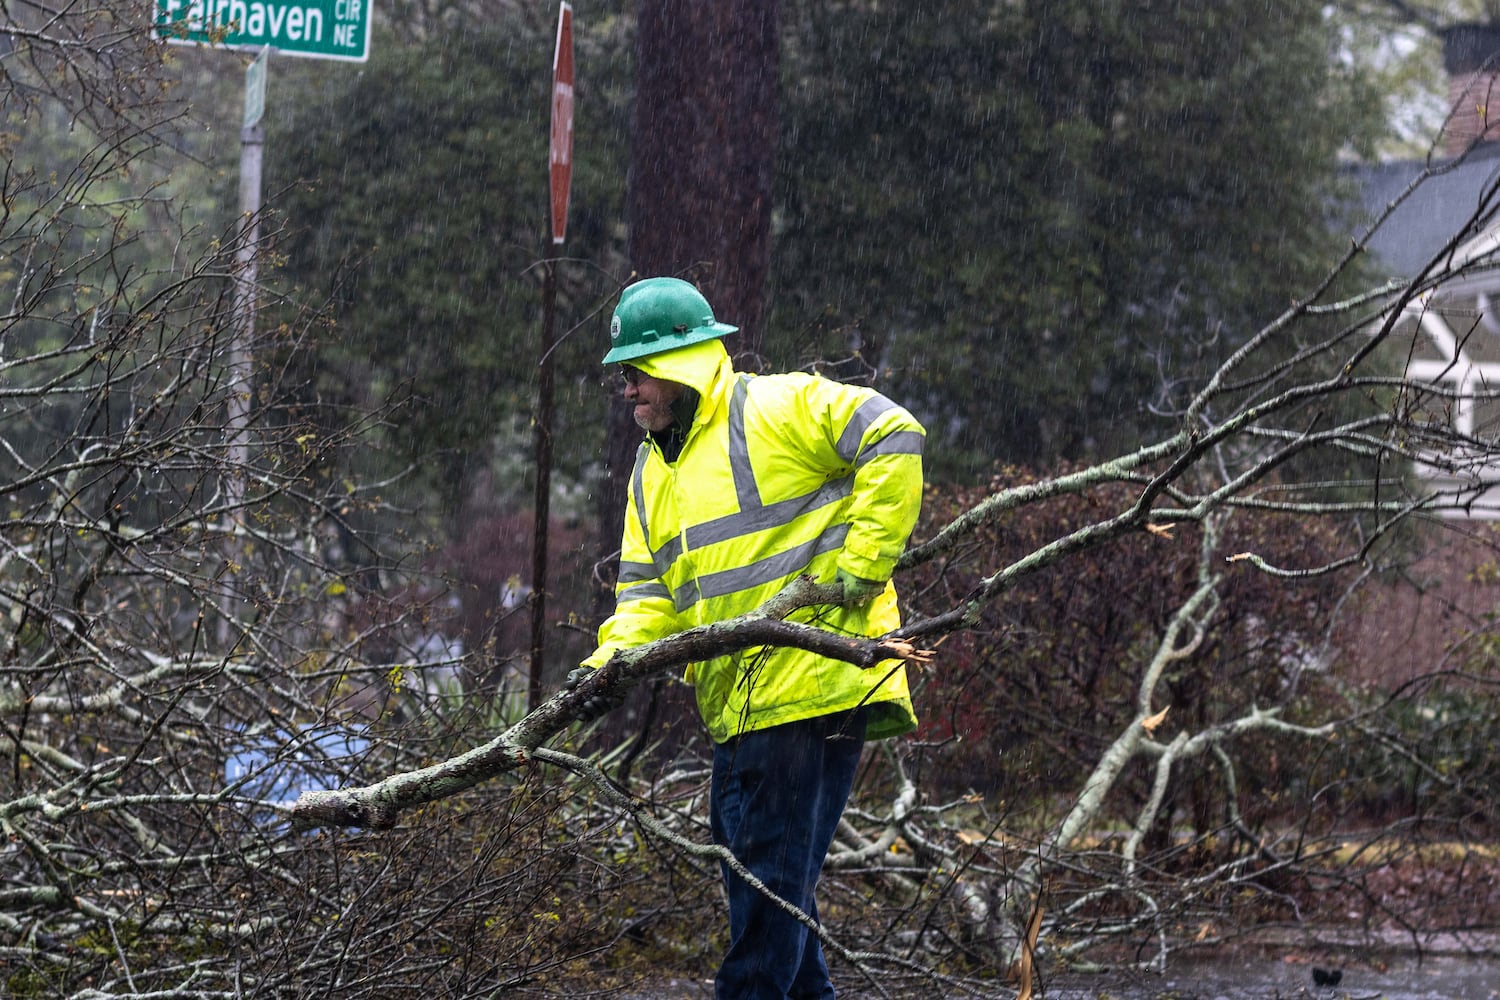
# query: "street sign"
(561, 166)
(255, 88)
(322, 29)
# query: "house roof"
(1429, 217)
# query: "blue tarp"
(279, 766)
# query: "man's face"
(653, 398)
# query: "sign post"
(324, 29)
(238, 368)
(560, 171)
(255, 88)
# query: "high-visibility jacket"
(778, 475)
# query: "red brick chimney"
(1471, 57)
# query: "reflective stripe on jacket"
(779, 475)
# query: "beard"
(653, 417)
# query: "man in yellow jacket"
(744, 483)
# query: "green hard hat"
(660, 314)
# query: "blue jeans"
(777, 797)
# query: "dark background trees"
(1067, 186)
(1053, 200)
(178, 661)
(415, 208)
(413, 205)
(1078, 226)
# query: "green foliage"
(1083, 204)
(93, 223)
(1458, 731)
(1427, 755)
(1055, 196)
(417, 196)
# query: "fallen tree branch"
(376, 806)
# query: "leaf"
(1150, 724)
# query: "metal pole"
(238, 360)
(543, 439)
(252, 144)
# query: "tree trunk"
(704, 153)
(702, 164)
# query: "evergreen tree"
(1038, 219)
(1039, 216)
(416, 194)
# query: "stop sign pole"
(560, 171)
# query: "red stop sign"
(562, 122)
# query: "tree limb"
(377, 805)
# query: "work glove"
(858, 590)
(600, 703)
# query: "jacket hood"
(696, 365)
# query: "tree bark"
(704, 154)
(699, 193)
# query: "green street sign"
(322, 29)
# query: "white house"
(1440, 217)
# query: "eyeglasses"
(632, 376)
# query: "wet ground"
(1436, 977)
(1356, 974)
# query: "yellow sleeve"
(644, 609)
(882, 442)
